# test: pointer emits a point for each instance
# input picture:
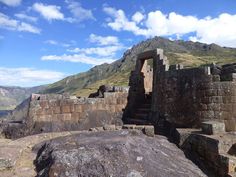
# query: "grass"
(118, 79)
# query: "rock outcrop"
(112, 153)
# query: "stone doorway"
(142, 106)
(147, 71)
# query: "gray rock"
(113, 153)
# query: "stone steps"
(140, 117)
(145, 106)
(138, 122)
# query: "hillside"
(188, 53)
(10, 97)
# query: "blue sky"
(44, 41)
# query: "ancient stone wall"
(185, 97)
(191, 96)
(50, 113)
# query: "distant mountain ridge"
(10, 97)
(190, 54)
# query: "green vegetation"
(10, 97)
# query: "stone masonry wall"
(76, 114)
(191, 96)
(52, 112)
(184, 97)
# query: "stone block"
(78, 108)
(228, 164)
(213, 127)
(44, 104)
(118, 127)
(57, 110)
(66, 117)
(75, 117)
(139, 127)
(65, 109)
(232, 165)
(129, 126)
(216, 78)
(109, 127)
(149, 130)
(72, 108)
(96, 129)
(230, 125)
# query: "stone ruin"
(54, 112)
(183, 97)
(194, 107)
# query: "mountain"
(10, 97)
(190, 54)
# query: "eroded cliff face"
(112, 153)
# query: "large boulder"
(112, 153)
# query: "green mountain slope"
(188, 53)
(10, 97)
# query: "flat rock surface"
(16, 156)
(112, 153)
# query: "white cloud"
(57, 43)
(28, 76)
(138, 17)
(11, 2)
(52, 42)
(103, 40)
(49, 12)
(106, 52)
(220, 30)
(100, 51)
(79, 13)
(122, 23)
(26, 17)
(78, 58)
(12, 24)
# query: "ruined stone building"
(185, 98)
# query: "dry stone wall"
(191, 96)
(50, 113)
(184, 97)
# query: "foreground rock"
(112, 153)
(16, 156)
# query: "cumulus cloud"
(12, 24)
(11, 2)
(78, 58)
(103, 40)
(121, 22)
(79, 13)
(100, 51)
(105, 51)
(28, 76)
(49, 12)
(92, 56)
(26, 17)
(219, 30)
(138, 17)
